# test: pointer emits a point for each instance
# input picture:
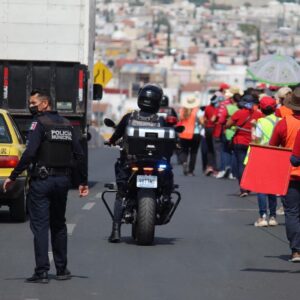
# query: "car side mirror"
(88, 136)
(97, 91)
(109, 123)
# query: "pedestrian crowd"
(224, 129)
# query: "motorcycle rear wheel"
(146, 216)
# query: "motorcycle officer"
(149, 99)
(167, 112)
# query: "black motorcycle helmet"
(164, 101)
(149, 98)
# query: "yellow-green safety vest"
(229, 132)
(266, 126)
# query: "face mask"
(33, 110)
(248, 105)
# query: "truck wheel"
(18, 208)
(146, 216)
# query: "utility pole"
(258, 39)
(162, 20)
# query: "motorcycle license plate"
(146, 181)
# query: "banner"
(268, 170)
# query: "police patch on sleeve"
(33, 125)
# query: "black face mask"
(33, 110)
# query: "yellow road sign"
(102, 74)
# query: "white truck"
(48, 44)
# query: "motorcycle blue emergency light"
(162, 166)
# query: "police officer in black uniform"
(149, 99)
(49, 154)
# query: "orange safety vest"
(189, 124)
(293, 126)
(285, 111)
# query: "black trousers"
(211, 155)
(190, 150)
(47, 199)
(291, 203)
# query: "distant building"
(240, 2)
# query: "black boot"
(115, 236)
(38, 278)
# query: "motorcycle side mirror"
(179, 129)
(109, 123)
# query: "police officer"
(49, 155)
(165, 110)
(149, 99)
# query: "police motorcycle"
(148, 149)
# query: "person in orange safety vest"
(190, 138)
(284, 135)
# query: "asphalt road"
(210, 250)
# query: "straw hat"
(233, 90)
(191, 102)
(293, 102)
(282, 92)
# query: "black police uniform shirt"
(35, 138)
(121, 127)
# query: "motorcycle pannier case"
(154, 141)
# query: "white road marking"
(88, 205)
(50, 255)
(98, 196)
(236, 209)
(70, 228)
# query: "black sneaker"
(63, 275)
(38, 278)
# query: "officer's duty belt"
(58, 171)
(43, 172)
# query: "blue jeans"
(226, 154)
(262, 204)
(291, 204)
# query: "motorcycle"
(144, 205)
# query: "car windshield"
(4, 132)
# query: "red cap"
(261, 86)
(274, 87)
(224, 86)
(267, 102)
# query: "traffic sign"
(102, 74)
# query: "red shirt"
(222, 113)
(243, 137)
(278, 113)
(209, 112)
(296, 149)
